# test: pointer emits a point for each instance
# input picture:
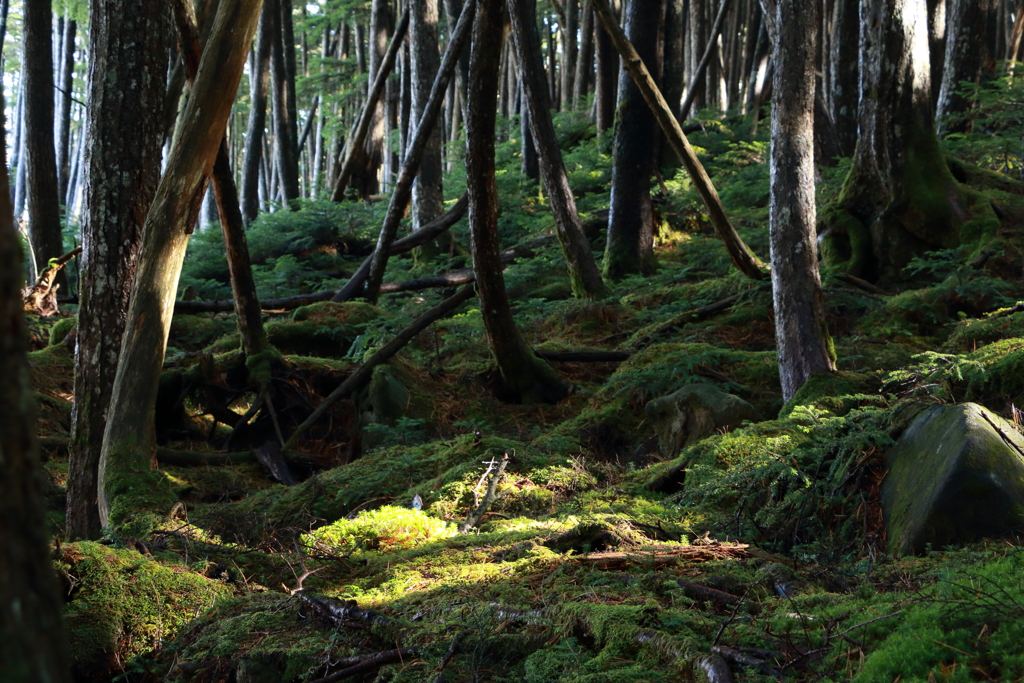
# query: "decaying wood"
(736, 655)
(270, 456)
(362, 373)
(740, 254)
(862, 284)
(372, 662)
(662, 555)
(41, 298)
(691, 316)
(494, 473)
(712, 669)
(342, 613)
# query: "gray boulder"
(955, 476)
(694, 412)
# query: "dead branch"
(862, 284)
(691, 316)
(340, 613)
(495, 470)
(735, 655)
(714, 668)
(41, 298)
(362, 373)
(372, 662)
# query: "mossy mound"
(196, 332)
(62, 328)
(837, 393)
(972, 333)
(121, 604)
(326, 312)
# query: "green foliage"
(386, 528)
(995, 140)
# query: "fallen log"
(662, 555)
(584, 356)
(372, 662)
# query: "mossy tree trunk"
(899, 199)
(129, 441)
(630, 246)
(801, 334)
(33, 647)
(584, 275)
(524, 377)
(128, 67)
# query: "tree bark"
(428, 191)
(381, 21)
(584, 57)
(605, 82)
(258, 85)
(41, 163)
(524, 377)
(34, 646)
(281, 100)
(899, 199)
(801, 334)
(584, 276)
(63, 134)
(567, 69)
(129, 441)
(970, 39)
(128, 66)
(842, 75)
(630, 245)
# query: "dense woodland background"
(467, 340)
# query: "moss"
(838, 393)
(972, 333)
(328, 312)
(62, 328)
(195, 332)
(122, 604)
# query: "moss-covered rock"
(694, 412)
(122, 604)
(955, 476)
(62, 328)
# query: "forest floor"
(759, 552)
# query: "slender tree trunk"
(41, 164)
(34, 645)
(258, 83)
(675, 41)
(428, 191)
(970, 38)
(528, 148)
(569, 48)
(381, 22)
(698, 28)
(63, 134)
(129, 441)
(524, 377)
(285, 156)
(843, 92)
(630, 246)
(127, 65)
(801, 334)
(584, 275)
(936, 43)
(585, 57)
(605, 83)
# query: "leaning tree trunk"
(970, 40)
(584, 275)
(129, 442)
(899, 198)
(428, 191)
(524, 377)
(801, 334)
(630, 247)
(258, 84)
(34, 646)
(41, 163)
(127, 65)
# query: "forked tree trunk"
(899, 199)
(630, 247)
(129, 441)
(259, 81)
(34, 645)
(41, 163)
(801, 334)
(128, 66)
(524, 377)
(584, 275)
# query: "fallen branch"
(340, 613)
(715, 669)
(862, 284)
(662, 555)
(691, 316)
(372, 662)
(41, 298)
(734, 655)
(383, 354)
(495, 470)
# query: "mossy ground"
(532, 593)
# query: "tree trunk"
(34, 645)
(801, 334)
(584, 275)
(284, 106)
(842, 75)
(970, 38)
(569, 48)
(41, 163)
(127, 65)
(584, 57)
(129, 441)
(381, 22)
(630, 247)
(524, 377)
(698, 29)
(258, 83)
(675, 54)
(936, 44)
(63, 134)
(428, 191)
(528, 148)
(899, 198)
